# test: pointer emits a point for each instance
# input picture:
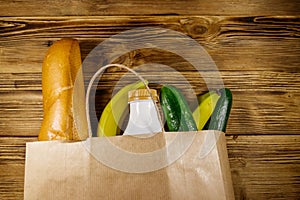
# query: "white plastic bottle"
(143, 118)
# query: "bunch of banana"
(203, 112)
(111, 117)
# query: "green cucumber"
(176, 110)
(219, 118)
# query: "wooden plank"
(21, 113)
(263, 167)
(227, 39)
(147, 7)
(12, 166)
(258, 58)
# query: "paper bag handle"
(101, 70)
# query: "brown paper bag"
(59, 170)
(167, 165)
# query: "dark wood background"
(254, 43)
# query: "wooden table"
(254, 43)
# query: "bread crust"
(61, 67)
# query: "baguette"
(61, 67)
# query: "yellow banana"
(110, 117)
(205, 95)
(206, 107)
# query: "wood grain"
(255, 45)
(258, 58)
(263, 167)
(148, 7)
